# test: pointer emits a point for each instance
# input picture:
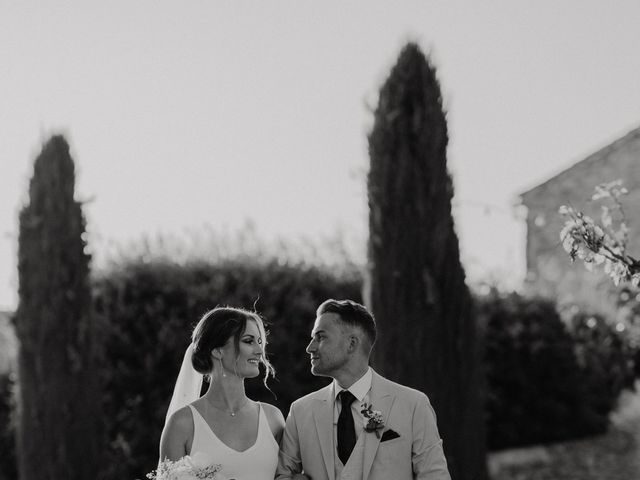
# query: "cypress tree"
(415, 283)
(58, 402)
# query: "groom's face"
(328, 346)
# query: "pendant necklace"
(232, 413)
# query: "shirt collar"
(359, 389)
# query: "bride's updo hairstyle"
(216, 327)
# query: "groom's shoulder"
(319, 394)
(403, 390)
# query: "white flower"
(619, 273)
(612, 189)
(564, 210)
(600, 193)
(568, 243)
(185, 469)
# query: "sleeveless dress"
(258, 462)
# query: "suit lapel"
(323, 416)
(381, 398)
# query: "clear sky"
(193, 113)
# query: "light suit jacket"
(307, 444)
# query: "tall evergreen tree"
(416, 284)
(58, 402)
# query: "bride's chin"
(252, 373)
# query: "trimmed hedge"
(148, 312)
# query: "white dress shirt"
(360, 389)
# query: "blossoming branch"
(601, 244)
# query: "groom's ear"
(354, 343)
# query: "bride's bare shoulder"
(271, 411)
(275, 419)
(181, 421)
(177, 435)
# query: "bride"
(224, 426)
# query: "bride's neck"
(227, 391)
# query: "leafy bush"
(147, 312)
(537, 389)
(8, 468)
(605, 357)
(628, 315)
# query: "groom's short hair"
(351, 313)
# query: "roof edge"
(614, 145)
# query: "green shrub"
(604, 356)
(147, 312)
(8, 467)
(628, 314)
(537, 390)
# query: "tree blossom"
(601, 244)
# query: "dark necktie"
(346, 429)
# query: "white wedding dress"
(258, 462)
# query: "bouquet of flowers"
(185, 469)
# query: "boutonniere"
(374, 419)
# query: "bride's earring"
(224, 375)
(215, 357)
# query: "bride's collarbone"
(239, 431)
(219, 411)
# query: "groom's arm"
(427, 455)
(289, 461)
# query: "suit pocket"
(389, 435)
(390, 442)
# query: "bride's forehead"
(251, 328)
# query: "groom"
(361, 426)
